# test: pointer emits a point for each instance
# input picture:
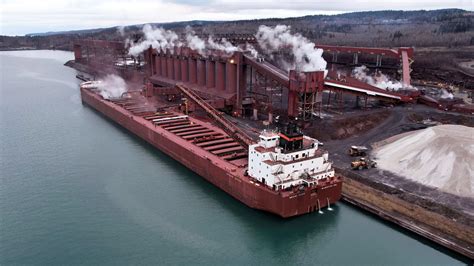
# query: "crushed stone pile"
(440, 156)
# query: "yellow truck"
(358, 151)
(363, 163)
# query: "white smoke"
(378, 80)
(305, 56)
(162, 39)
(194, 42)
(111, 87)
(204, 47)
(158, 38)
(121, 30)
(361, 73)
(251, 49)
(446, 95)
(224, 45)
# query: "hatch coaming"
(205, 136)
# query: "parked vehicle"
(358, 151)
(363, 163)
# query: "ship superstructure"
(288, 159)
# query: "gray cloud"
(346, 6)
(27, 16)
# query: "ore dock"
(256, 131)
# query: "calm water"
(76, 189)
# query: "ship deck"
(201, 134)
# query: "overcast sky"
(19, 17)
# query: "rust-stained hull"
(223, 174)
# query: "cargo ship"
(285, 173)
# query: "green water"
(76, 189)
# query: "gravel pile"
(440, 156)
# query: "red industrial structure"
(95, 51)
(404, 54)
(238, 82)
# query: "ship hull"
(225, 176)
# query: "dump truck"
(363, 163)
(358, 151)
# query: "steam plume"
(194, 42)
(305, 56)
(162, 39)
(251, 49)
(225, 46)
(121, 30)
(158, 38)
(378, 80)
(446, 95)
(202, 46)
(111, 87)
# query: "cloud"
(339, 6)
(27, 16)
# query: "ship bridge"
(281, 160)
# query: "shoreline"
(385, 202)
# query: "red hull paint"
(221, 173)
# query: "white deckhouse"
(288, 159)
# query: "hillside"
(443, 39)
(446, 27)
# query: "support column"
(220, 76)
(341, 102)
(255, 113)
(379, 61)
(169, 66)
(406, 68)
(164, 68)
(192, 70)
(176, 68)
(231, 77)
(201, 72)
(293, 104)
(210, 74)
(356, 59)
(77, 52)
(153, 63)
(241, 74)
(148, 89)
(184, 70)
(148, 57)
(329, 99)
(158, 64)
